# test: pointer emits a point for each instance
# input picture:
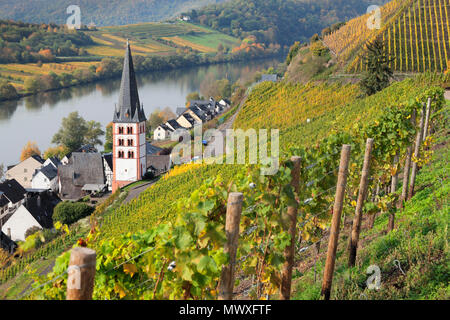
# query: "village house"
(173, 124)
(197, 114)
(12, 196)
(84, 149)
(46, 178)
(186, 121)
(24, 171)
(54, 161)
(36, 211)
(108, 168)
(162, 132)
(84, 174)
(158, 164)
(225, 103)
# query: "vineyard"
(415, 34)
(169, 243)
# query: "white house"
(36, 211)
(12, 195)
(225, 103)
(163, 132)
(108, 167)
(54, 161)
(46, 178)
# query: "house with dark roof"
(186, 121)
(196, 113)
(88, 148)
(82, 169)
(108, 168)
(12, 195)
(158, 164)
(24, 171)
(54, 161)
(269, 77)
(46, 178)
(162, 132)
(173, 124)
(7, 244)
(37, 210)
(153, 150)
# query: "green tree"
(109, 138)
(68, 212)
(31, 84)
(93, 133)
(193, 96)
(72, 132)
(378, 74)
(7, 91)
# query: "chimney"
(9, 233)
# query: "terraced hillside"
(415, 33)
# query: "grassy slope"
(419, 242)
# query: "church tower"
(129, 145)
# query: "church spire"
(129, 107)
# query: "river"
(37, 118)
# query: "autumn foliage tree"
(30, 149)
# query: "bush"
(31, 231)
(69, 212)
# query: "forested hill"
(101, 12)
(279, 21)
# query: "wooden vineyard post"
(356, 226)
(80, 281)
(412, 179)
(289, 251)
(427, 120)
(233, 218)
(334, 229)
(394, 183)
(407, 167)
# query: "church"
(129, 128)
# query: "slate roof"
(269, 77)
(38, 159)
(166, 128)
(151, 149)
(189, 118)
(109, 159)
(41, 207)
(49, 171)
(88, 148)
(180, 111)
(129, 109)
(12, 190)
(6, 243)
(55, 161)
(82, 169)
(159, 163)
(174, 124)
(3, 200)
(199, 113)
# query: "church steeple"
(129, 109)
